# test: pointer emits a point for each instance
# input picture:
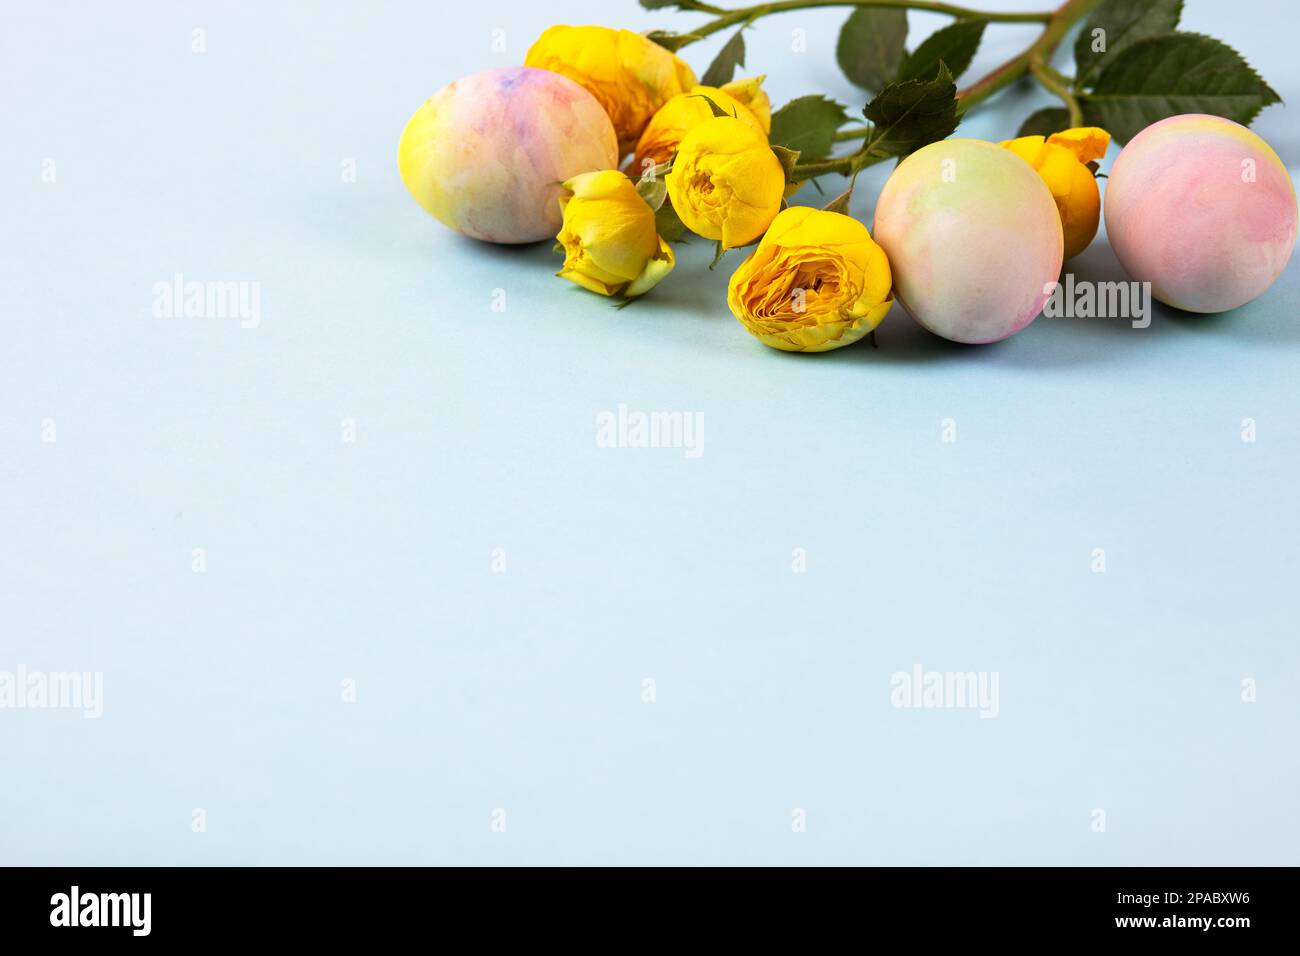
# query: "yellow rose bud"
(816, 282)
(611, 245)
(685, 111)
(726, 183)
(628, 74)
(1061, 160)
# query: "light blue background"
(476, 430)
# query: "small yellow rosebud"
(611, 245)
(726, 183)
(630, 75)
(1061, 160)
(685, 111)
(816, 282)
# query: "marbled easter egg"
(1203, 209)
(487, 153)
(973, 238)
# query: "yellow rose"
(816, 282)
(629, 75)
(726, 183)
(611, 245)
(1061, 160)
(685, 111)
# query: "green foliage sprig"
(1132, 68)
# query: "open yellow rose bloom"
(630, 75)
(611, 245)
(726, 183)
(1061, 160)
(816, 282)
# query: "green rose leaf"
(668, 224)
(672, 42)
(1045, 122)
(808, 125)
(654, 192)
(954, 45)
(723, 67)
(1176, 73)
(652, 187)
(789, 158)
(906, 116)
(1118, 24)
(872, 45)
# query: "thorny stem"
(842, 164)
(729, 18)
(1053, 33)
(1046, 77)
(853, 132)
(1033, 60)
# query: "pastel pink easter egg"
(973, 238)
(1203, 209)
(487, 153)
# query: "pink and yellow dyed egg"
(973, 238)
(1203, 209)
(487, 153)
